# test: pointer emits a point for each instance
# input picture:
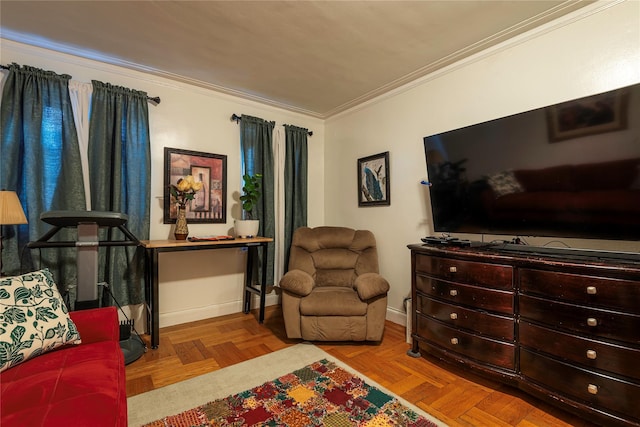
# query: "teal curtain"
(120, 174)
(256, 145)
(295, 184)
(41, 162)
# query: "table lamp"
(11, 213)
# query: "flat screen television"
(566, 170)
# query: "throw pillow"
(33, 318)
(504, 183)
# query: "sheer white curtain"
(80, 94)
(279, 148)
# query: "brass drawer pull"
(592, 388)
(453, 292)
(592, 321)
(454, 341)
(591, 290)
(453, 269)
(453, 316)
(591, 354)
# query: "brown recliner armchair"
(332, 291)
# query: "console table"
(562, 326)
(154, 247)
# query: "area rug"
(311, 389)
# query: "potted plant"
(248, 226)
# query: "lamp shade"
(11, 211)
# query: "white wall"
(589, 52)
(193, 285)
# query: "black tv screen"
(567, 170)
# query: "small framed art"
(373, 180)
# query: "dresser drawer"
(623, 295)
(596, 390)
(482, 349)
(474, 273)
(587, 352)
(476, 321)
(586, 320)
(471, 296)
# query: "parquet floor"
(448, 393)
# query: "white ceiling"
(314, 57)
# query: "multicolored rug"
(320, 394)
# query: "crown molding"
(473, 53)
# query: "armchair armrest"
(97, 324)
(297, 282)
(370, 285)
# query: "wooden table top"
(172, 243)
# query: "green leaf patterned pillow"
(33, 318)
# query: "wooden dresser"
(562, 325)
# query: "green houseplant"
(248, 226)
(251, 190)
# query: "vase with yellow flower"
(182, 193)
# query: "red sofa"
(76, 385)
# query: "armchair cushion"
(297, 282)
(333, 302)
(370, 285)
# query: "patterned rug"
(320, 394)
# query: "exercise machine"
(88, 224)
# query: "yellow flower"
(185, 189)
(183, 185)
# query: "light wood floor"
(446, 392)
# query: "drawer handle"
(454, 341)
(453, 269)
(591, 354)
(453, 316)
(592, 321)
(592, 388)
(453, 292)
(591, 290)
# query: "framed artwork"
(605, 112)
(373, 180)
(209, 205)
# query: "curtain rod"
(153, 99)
(236, 118)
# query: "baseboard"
(400, 317)
(214, 310)
(185, 316)
(396, 316)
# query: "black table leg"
(248, 276)
(263, 283)
(252, 256)
(153, 316)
